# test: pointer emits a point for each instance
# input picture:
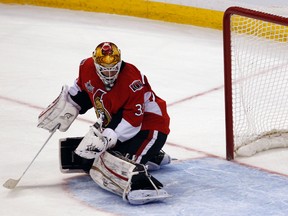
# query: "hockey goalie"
(131, 127)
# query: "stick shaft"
(12, 183)
(51, 134)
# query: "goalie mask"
(107, 59)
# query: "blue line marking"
(207, 186)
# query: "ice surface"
(40, 50)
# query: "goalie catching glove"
(61, 111)
(95, 143)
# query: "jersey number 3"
(140, 110)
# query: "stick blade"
(11, 183)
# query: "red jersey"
(131, 93)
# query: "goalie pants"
(143, 146)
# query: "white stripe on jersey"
(150, 104)
(148, 146)
(126, 131)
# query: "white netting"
(259, 52)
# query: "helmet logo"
(107, 54)
(107, 49)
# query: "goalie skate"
(159, 160)
(140, 197)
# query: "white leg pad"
(115, 174)
(112, 173)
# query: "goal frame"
(228, 66)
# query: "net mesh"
(259, 57)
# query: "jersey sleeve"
(78, 94)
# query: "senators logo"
(99, 107)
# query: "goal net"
(256, 81)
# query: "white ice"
(40, 50)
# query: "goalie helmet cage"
(256, 81)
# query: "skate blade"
(140, 197)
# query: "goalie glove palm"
(95, 143)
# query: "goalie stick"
(12, 183)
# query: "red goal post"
(256, 81)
